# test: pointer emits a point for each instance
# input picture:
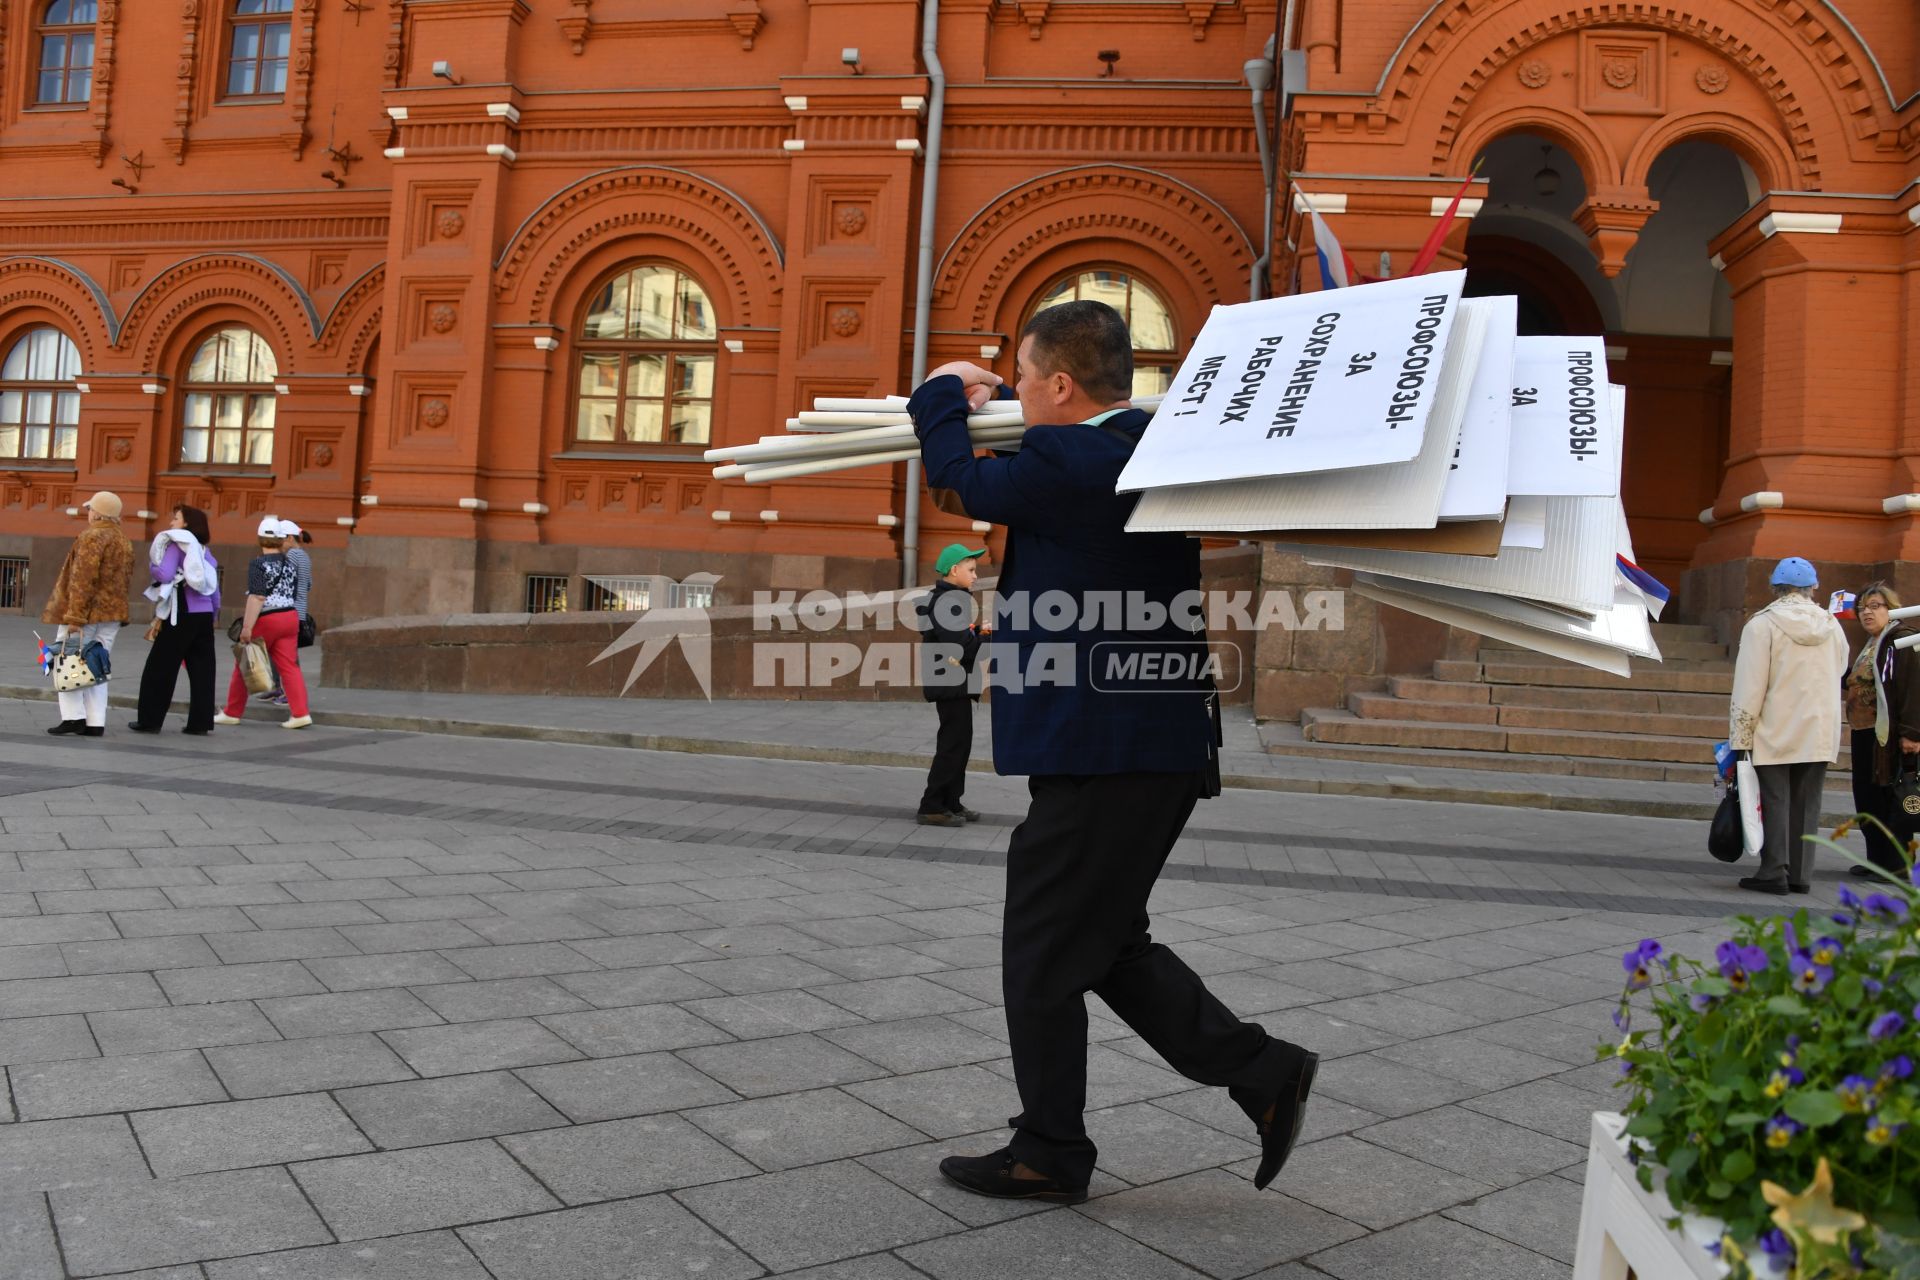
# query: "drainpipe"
(1259, 73)
(923, 276)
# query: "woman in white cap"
(271, 586)
(303, 570)
(89, 602)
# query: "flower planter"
(1623, 1229)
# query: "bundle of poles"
(838, 434)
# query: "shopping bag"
(1746, 782)
(1726, 837)
(256, 668)
(70, 668)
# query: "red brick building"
(465, 286)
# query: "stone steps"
(1387, 707)
(1647, 677)
(1346, 727)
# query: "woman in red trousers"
(271, 585)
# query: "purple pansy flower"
(1825, 951)
(1784, 1079)
(1700, 1003)
(1885, 1025)
(1781, 1129)
(1738, 963)
(1777, 1247)
(1849, 899)
(1637, 963)
(1897, 1068)
(1853, 1093)
(1880, 906)
(1881, 1131)
(1809, 977)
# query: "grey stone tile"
(1063, 1245)
(45, 1039)
(1545, 1106)
(90, 1086)
(279, 944)
(43, 997)
(1219, 1224)
(39, 960)
(301, 1066)
(523, 960)
(213, 983)
(782, 1064)
(151, 924)
(1542, 1215)
(1406, 965)
(658, 949)
(1474, 1145)
(42, 930)
(432, 1255)
(946, 922)
(1400, 1014)
(803, 1128)
(310, 915)
(420, 935)
(917, 1044)
(771, 1013)
(960, 953)
(917, 1170)
(1389, 1088)
(1370, 1185)
(451, 906)
(1565, 1042)
(1435, 1247)
(28, 1250)
(193, 1026)
(238, 1135)
(944, 1103)
(65, 901)
(56, 1155)
(651, 984)
(1114, 1078)
(615, 1159)
(749, 974)
(1464, 1056)
(608, 1033)
(498, 998)
(128, 955)
(858, 931)
(880, 961)
(347, 1012)
(614, 1088)
(415, 1113)
(1325, 1116)
(1325, 1034)
(598, 1243)
(396, 1192)
(400, 969)
(157, 1224)
(479, 1046)
(1141, 1143)
(808, 1217)
(875, 1266)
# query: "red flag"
(1431, 249)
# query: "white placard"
(1313, 382)
(1566, 438)
(1526, 524)
(1477, 484)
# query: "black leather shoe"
(68, 726)
(93, 730)
(1289, 1117)
(971, 815)
(941, 820)
(1863, 872)
(1794, 886)
(1776, 887)
(992, 1175)
(198, 733)
(137, 727)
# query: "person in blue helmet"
(1785, 717)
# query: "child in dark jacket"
(951, 641)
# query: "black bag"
(307, 633)
(1726, 837)
(1906, 797)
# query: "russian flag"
(45, 655)
(1644, 584)
(1840, 604)
(1336, 268)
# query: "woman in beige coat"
(89, 602)
(1784, 715)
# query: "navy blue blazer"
(1122, 700)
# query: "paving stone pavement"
(351, 1005)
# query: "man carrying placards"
(1100, 707)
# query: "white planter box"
(1624, 1228)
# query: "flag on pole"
(1644, 585)
(1431, 249)
(1840, 604)
(45, 655)
(1336, 268)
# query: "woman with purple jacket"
(186, 588)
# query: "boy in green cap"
(946, 654)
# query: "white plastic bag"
(1747, 779)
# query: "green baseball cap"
(953, 555)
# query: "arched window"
(66, 52)
(39, 403)
(257, 54)
(1147, 317)
(646, 349)
(227, 419)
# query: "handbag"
(1906, 793)
(1726, 837)
(255, 667)
(307, 633)
(71, 671)
(233, 629)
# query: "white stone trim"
(397, 113)
(1324, 201)
(282, 389)
(504, 111)
(1901, 504)
(796, 103)
(981, 526)
(912, 102)
(721, 517)
(1615, 352)
(989, 352)
(395, 153)
(1913, 215)
(771, 517)
(534, 508)
(1706, 515)
(888, 522)
(502, 151)
(345, 522)
(369, 499)
(473, 504)
(909, 145)
(1818, 224)
(359, 389)
(1470, 206)
(1765, 500)
(1717, 262)
(793, 144)
(735, 345)
(145, 515)
(82, 388)
(153, 388)
(546, 343)
(1723, 359)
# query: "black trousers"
(1876, 801)
(952, 748)
(191, 642)
(1079, 870)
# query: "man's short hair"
(1088, 341)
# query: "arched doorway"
(1666, 315)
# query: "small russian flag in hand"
(46, 655)
(1840, 604)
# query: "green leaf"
(1787, 1006)
(1816, 1110)
(1848, 992)
(1744, 1119)
(1682, 1164)
(1738, 1166)
(1711, 986)
(1718, 1190)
